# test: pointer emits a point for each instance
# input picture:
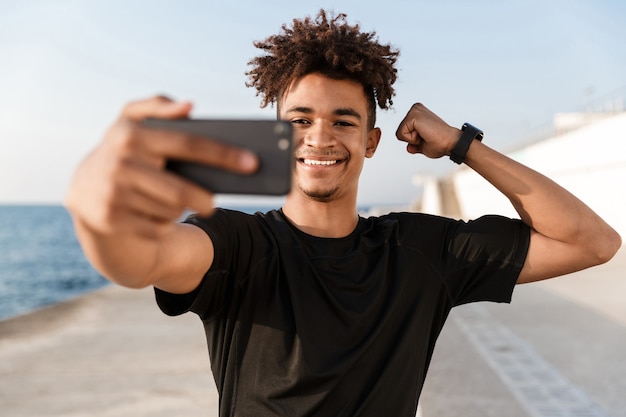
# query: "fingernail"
(248, 161)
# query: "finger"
(406, 131)
(157, 106)
(142, 225)
(146, 205)
(413, 148)
(115, 217)
(194, 148)
(167, 191)
(403, 133)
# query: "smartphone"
(270, 140)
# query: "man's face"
(331, 135)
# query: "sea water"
(41, 262)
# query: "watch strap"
(469, 133)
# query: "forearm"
(126, 260)
(174, 261)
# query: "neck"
(322, 219)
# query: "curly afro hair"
(330, 46)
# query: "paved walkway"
(559, 350)
(111, 353)
(562, 343)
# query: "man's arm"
(566, 235)
(125, 205)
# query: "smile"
(318, 162)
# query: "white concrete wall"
(590, 162)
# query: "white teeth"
(318, 162)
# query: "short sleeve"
(239, 239)
(484, 258)
(208, 298)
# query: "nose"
(320, 135)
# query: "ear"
(373, 138)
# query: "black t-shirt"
(298, 325)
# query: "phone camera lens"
(283, 144)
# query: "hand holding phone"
(270, 140)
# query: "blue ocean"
(41, 262)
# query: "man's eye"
(299, 121)
(344, 124)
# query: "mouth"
(319, 162)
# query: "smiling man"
(312, 309)
(333, 136)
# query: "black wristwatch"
(460, 149)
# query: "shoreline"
(57, 309)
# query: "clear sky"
(68, 66)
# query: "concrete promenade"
(558, 350)
(111, 353)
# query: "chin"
(320, 195)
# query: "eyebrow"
(344, 111)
